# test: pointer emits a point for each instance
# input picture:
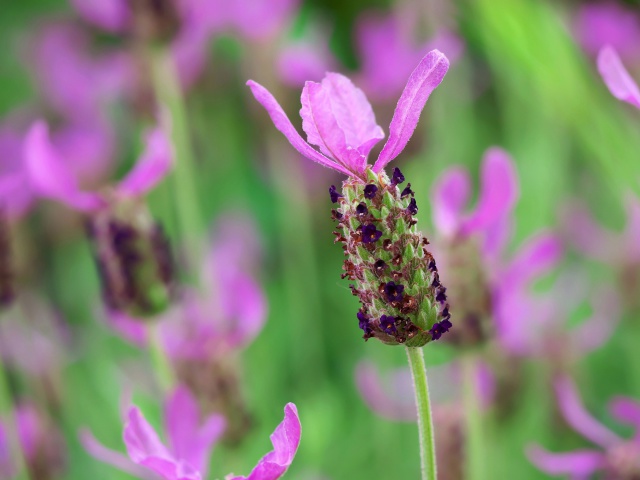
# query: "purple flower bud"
(370, 234)
(397, 178)
(439, 328)
(407, 191)
(393, 292)
(362, 209)
(413, 207)
(333, 193)
(388, 324)
(370, 191)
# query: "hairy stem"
(425, 424)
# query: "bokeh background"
(523, 77)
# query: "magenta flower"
(616, 457)
(608, 23)
(388, 52)
(488, 221)
(190, 441)
(616, 77)
(51, 178)
(338, 119)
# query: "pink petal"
(131, 329)
(305, 60)
(424, 79)
(581, 464)
(608, 23)
(152, 166)
(321, 126)
(449, 198)
(112, 457)
(285, 440)
(188, 441)
(282, 123)
(110, 15)
(499, 192)
(536, 257)
(616, 77)
(578, 418)
(142, 441)
(394, 404)
(248, 311)
(626, 410)
(353, 113)
(48, 174)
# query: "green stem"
(161, 362)
(425, 424)
(169, 95)
(7, 407)
(474, 435)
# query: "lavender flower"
(616, 77)
(190, 443)
(338, 119)
(618, 458)
(132, 252)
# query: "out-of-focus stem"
(475, 468)
(161, 362)
(169, 95)
(8, 409)
(425, 424)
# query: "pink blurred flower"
(388, 52)
(50, 177)
(15, 193)
(609, 23)
(304, 60)
(110, 15)
(77, 83)
(190, 441)
(616, 77)
(259, 19)
(338, 119)
(615, 458)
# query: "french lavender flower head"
(394, 274)
(131, 250)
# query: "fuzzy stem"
(160, 360)
(169, 95)
(7, 407)
(425, 424)
(475, 454)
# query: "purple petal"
(260, 19)
(282, 123)
(499, 192)
(248, 310)
(581, 464)
(305, 60)
(353, 113)
(616, 77)
(626, 410)
(48, 174)
(285, 440)
(578, 418)
(187, 440)
(450, 196)
(110, 15)
(424, 79)
(131, 329)
(112, 457)
(152, 166)
(145, 448)
(538, 256)
(608, 23)
(394, 404)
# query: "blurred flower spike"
(397, 282)
(617, 458)
(132, 253)
(190, 443)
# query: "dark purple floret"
(336, 215)
(397, 178)
(379, 266)
(388, 324)
(370, 234)
(362, 209)
(441, 295)
(333, 193)
(370, 191)
(413, 207)
(394, 291)
(440, 328)
(407, 191)
(432, 265)
(363, 323)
